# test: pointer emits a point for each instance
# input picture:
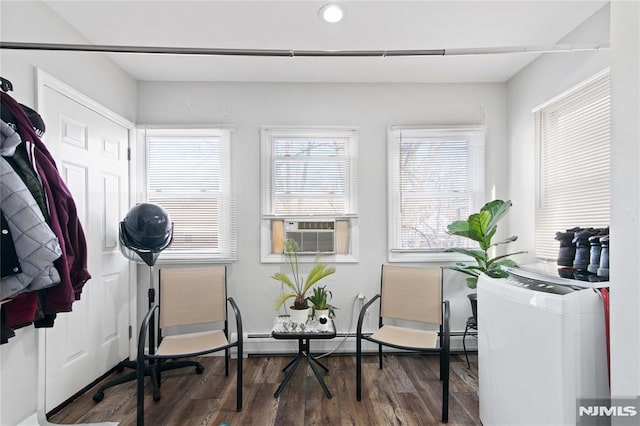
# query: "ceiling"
(295, 25)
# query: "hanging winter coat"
(72, 265)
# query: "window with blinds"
(436, 176)
(573, 138)
(188, 173)
(309, 178)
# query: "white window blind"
(573, 136)
(188, 173)
(312, 172)
(436, 176)
(308, 174)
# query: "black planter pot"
(473, 298)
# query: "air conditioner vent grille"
(316, 225)
(312, 236)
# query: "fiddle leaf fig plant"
(297, 285)
(481, 227)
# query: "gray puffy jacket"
(35, 243)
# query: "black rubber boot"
(583, 248)
(603, 270)
(567, 251)
(594, 257)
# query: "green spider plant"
(320, 300)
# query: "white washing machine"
(541, 346)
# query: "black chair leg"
(156, 378)
(464, 345)
(99, 395)
(169, 365)
(441, 361)
(140, 393)
(445, 388)
(239, 383)
(380, 355)
(159, 372)
(173, 364)
(358, 369)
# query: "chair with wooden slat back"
(409, 296)
(188, 297)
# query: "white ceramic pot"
(320, 312)
(299, 316)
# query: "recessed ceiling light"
(331, 13)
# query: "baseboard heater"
(345, 343)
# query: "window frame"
(395, 253)
(267, 134)
(226, 251)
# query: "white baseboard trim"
(40, 419)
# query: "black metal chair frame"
(470, 325)
(99, 395)
(444, 350)
(156, 363)
(304, 353)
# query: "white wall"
(625, 199)
(99, 78)
(371, 107)
(543, 79)
(93, 74)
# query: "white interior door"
(91, 154)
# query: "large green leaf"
(501, 260)
(497, 209)
(472, 282)
(478, 222)
(497, 273)
(283, 278)
(495, 269)
(478, 255)
(460, 228)
(505, 241)
(473, 228)
(318, 272)
(283, 298)
(464, 270)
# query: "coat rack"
(164, 50)
(5, 85)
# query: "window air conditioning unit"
(312, 236)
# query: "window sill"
(434, 257)
(328, 258)
(192, 260)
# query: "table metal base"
(289, 369)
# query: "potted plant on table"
(481, 227)
(320, 302)
(297, 285)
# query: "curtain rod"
(298, 53)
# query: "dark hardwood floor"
(406, 391)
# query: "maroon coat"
(64, 222)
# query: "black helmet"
(147, 227)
